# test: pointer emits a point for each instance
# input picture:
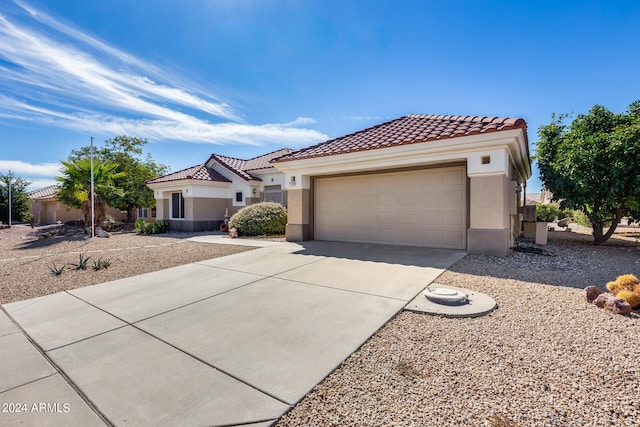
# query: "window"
(177, 205)
(144, 213)
(239, 196)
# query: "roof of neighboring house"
(238, 166)
(199, 172)
(411, 129)
(241, 167)
(44, 193)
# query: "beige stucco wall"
(50, 212)
(210, 209)
(299, 214)
(492, 210)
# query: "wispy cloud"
(19, 168)
(52, 73)
(361, 118)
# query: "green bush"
(580, 218)
(140, 225)
(260, 219)
(548, 212)
(157, 227)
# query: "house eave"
(432, 152)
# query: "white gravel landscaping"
(545, 357)
(25, 260)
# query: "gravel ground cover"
(545, 357)
(25, 259)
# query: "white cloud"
(59, 76)
(19, 168)
(37, 184)
(361, 118)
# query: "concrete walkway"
(236, 340)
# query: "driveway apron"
(232, 340)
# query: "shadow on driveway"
(389, 254)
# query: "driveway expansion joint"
(59, 370)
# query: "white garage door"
(424, 207)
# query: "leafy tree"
(593, 165)
(20, 202)
(127, 153)
(75, 188)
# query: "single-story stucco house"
(197, 198)
(424, 180)
(46, 209)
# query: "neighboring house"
(544, 197)
(46, 209)
(424, 180)
(197, 198)
(148, 214)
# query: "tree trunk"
(599, 236)
(130, 214)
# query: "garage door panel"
(366, 200)
(453, 219)
(361, 183)
(330, 186)
(429, 179)
(420, 207)
(453, 238)
(452, 197)
(453, 177)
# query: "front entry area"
(422, 207)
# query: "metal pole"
(93, 221)
(10, 198)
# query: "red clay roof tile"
(44, 193)
(411, 129)
(238, 166)
(198, 172)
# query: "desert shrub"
(140, 225)
(259, 219)
(580, 218)
(157, 227)
(547, 212)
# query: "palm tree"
(75, 189)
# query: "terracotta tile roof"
(411, 129)
(198, 172)
(44, 193)
(241, 167)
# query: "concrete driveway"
(233, 340)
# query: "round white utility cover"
(446, 296)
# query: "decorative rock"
(611, 303)
(618, 306)
(601, 299)
(591, 292)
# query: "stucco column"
(492, 202)
(298, 216)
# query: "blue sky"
(245, 77)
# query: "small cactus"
(627, 281)
(633, 298)
(613, 287)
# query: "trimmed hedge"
(260, 219)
